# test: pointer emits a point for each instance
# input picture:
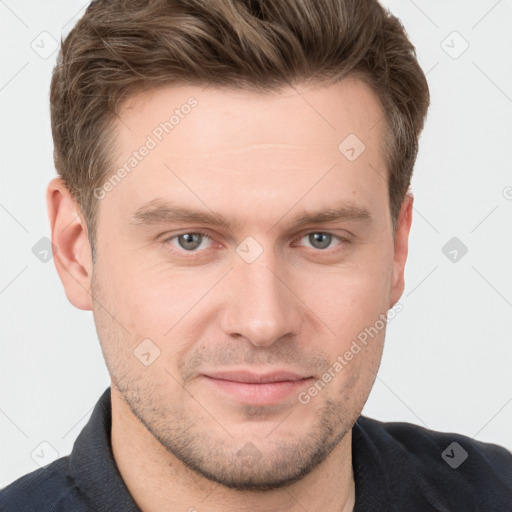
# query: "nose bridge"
(260, 306)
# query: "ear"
(73, 258)
(401, 248)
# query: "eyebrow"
(163, 212)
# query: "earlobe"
(69, 234)
(401, 248)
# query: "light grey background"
(448, 354)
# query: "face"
(240, 259)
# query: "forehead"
(219, 148)
(213, 116)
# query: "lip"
(257, 388)
(256, 378)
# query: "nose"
(259, 302)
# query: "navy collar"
(92, 465)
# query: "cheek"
(159, 304)
(353, 297)
(140, 292)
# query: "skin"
(180, 442)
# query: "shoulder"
(443, 463)
(49, 488)
(433, 446)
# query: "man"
(233, 206)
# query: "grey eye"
(190, 241)
(320, 240)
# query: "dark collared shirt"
(397, 467)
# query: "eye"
(194, 242)
(321, 240)
(188, 242)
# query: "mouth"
(257, 388)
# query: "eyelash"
(167, 240)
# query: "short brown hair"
(120, 47)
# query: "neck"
(159, 481)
